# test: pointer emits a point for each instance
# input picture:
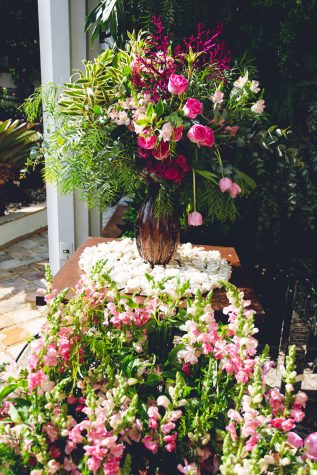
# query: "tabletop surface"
(69, 275)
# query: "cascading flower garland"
(117, 384)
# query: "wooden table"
(69, 275)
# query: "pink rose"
(177, 134)
(192, 108)
(225, 184)
(311, 446)
(294, 440)
(201, 135)
(234, 190)
(147, 141)
(177, 84)
(161, 152)
(195, 219)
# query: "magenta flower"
(177, 84)
(150, 444)
(192, 108)
(201, 135)
(195, 219)
(161, 152)
(148, 141)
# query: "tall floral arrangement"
(180, 115)
(116, 384)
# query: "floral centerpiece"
(178, 118)
(119, 385)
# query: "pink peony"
(201, 135)
(148, 141)
(161, 152)
(294, 440)
(195, 219)
(234, 190)
(225, 184)
(192, 108)
(177, 134)
(311, 446)
(177, 84)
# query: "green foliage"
(281, 37)
(17, 140)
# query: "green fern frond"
(164, 203)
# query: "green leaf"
(208, 175)
(7, 390)
(246, 178)
(159, 108)
(97, 109)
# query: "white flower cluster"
(203, 269)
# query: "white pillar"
(63, 46)
(55, 66)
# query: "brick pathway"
(21, 270)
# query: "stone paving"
(21, 270)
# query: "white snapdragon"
(254, 87)
(166, 132)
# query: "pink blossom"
(234, 190)
(201, 135)
(251, 443)
(170, 442)
(217, 97)
(232, 130)
(111, 468)
(177, 84)
(297, 414)
(53, 466)
(36, 380)
(234, 415)
(231, 428)
(161, 151)
(50, 358)
(168, 427)
(258, 107)
(150, 444)
(294, 440)
(188, 469)
(11, 371)
(301, 399)
(192, 108)
(147, 141)
(225, 184)
(195, 219)
(51, 431)
(250, 427)
(311, 446)
(49, 297)
(166, 132)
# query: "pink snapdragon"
(311, 446)
(150, 444)
(294, 440)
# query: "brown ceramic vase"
(157, 239)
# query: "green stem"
(194, 188)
